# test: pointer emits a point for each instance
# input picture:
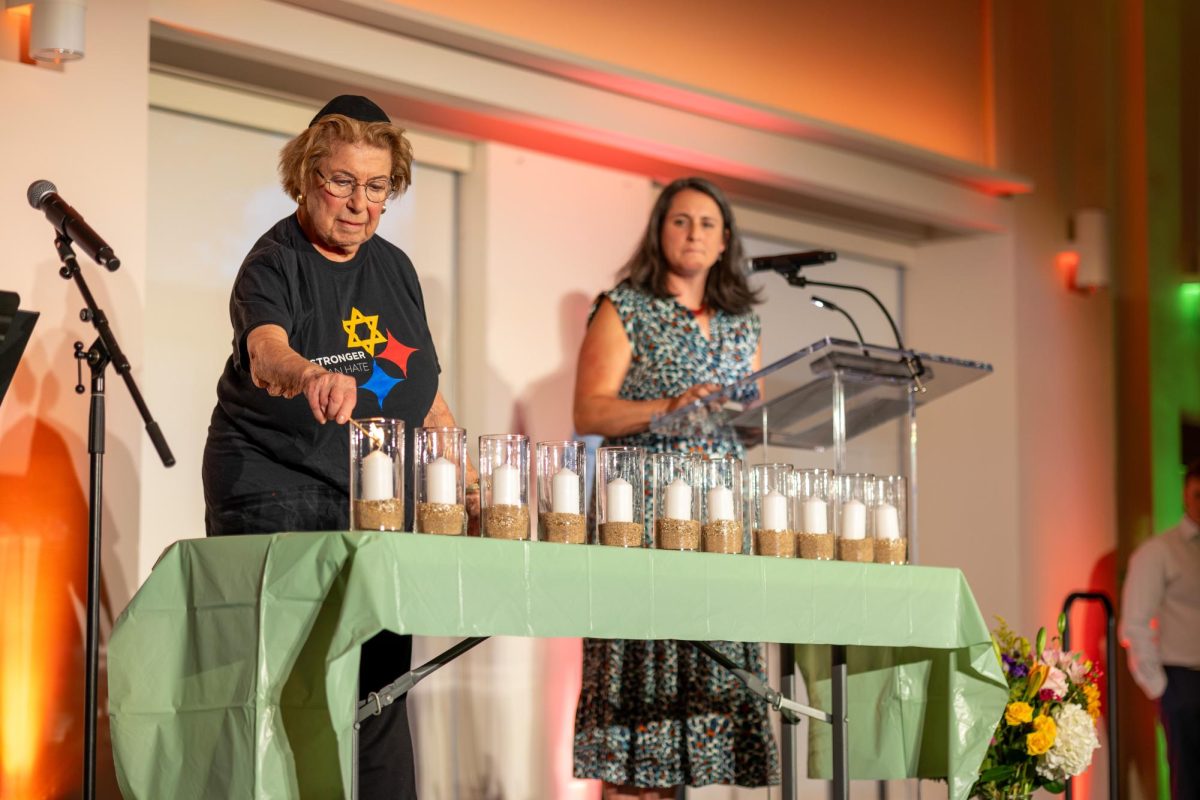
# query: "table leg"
(787, 731)
(841, 751)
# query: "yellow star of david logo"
(350, 326)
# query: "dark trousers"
(386, 769)
(1179, 709)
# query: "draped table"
(232, 672)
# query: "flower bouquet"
(1048, 733)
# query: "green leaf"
(997, 774)
(1055, 787)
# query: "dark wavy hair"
(725, 289)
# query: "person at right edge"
(655, 715)
(1163, 584)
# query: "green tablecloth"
(232, 672)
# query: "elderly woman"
(328, 321)
(656, 715)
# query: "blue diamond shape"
(380, 383)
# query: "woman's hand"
(697, 392)
(282, 372)
(330, 395)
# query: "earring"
(383, 210)
(299, 199)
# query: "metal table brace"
(788, 709)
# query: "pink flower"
(1070, 663)
(1076, 670)
(1056, 683)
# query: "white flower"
(1072, 750)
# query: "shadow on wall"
(43, 590)
(544, 409)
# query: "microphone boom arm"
(915, 368)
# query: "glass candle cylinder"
(560, 468)
(816, 507)
(771, 489)
(504, 486)
(439, 467)
(889, 518)
(854, 541)
(721, 501)
(620, 496)
(377, 475)
(675, 484)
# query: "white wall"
(962, 302)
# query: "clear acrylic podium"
(825, 399)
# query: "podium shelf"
(800, 394)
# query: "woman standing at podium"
(328, 320)
(654, 715)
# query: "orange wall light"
(43, 545)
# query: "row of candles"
(695, 502)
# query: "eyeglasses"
(342, 185)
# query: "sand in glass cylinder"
(722, 505)
(560, 468)
(620, 496)
(439, 464)
(377, 475)
(504, 485)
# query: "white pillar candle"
(816, 516)
(887, 522)
(564, 492)
(720, 504)
(774, 512)
(619, 495)
(854, 520)
(440, 477)
(679, 500)
(506, 486)
(377, 474)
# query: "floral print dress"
(660, 713)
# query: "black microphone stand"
(911, 360)
(103, 351)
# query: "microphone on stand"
(43, 195)
(788, 263)
(821, 302)
(789, 266)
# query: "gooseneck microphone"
(821, 302)
(43, 195)
(789, 262)
(789, 266)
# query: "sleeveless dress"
(660, 713)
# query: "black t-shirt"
(364, 317)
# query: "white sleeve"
(1141, 597)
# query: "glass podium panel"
(800, 397)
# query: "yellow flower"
(1018, 712)
(1093, 700)
(1043, 736)
(1037, 743)
(1037, 676)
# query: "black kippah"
(354, 106)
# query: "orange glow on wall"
(43, 546)
(872, 65)
(1067, 264)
